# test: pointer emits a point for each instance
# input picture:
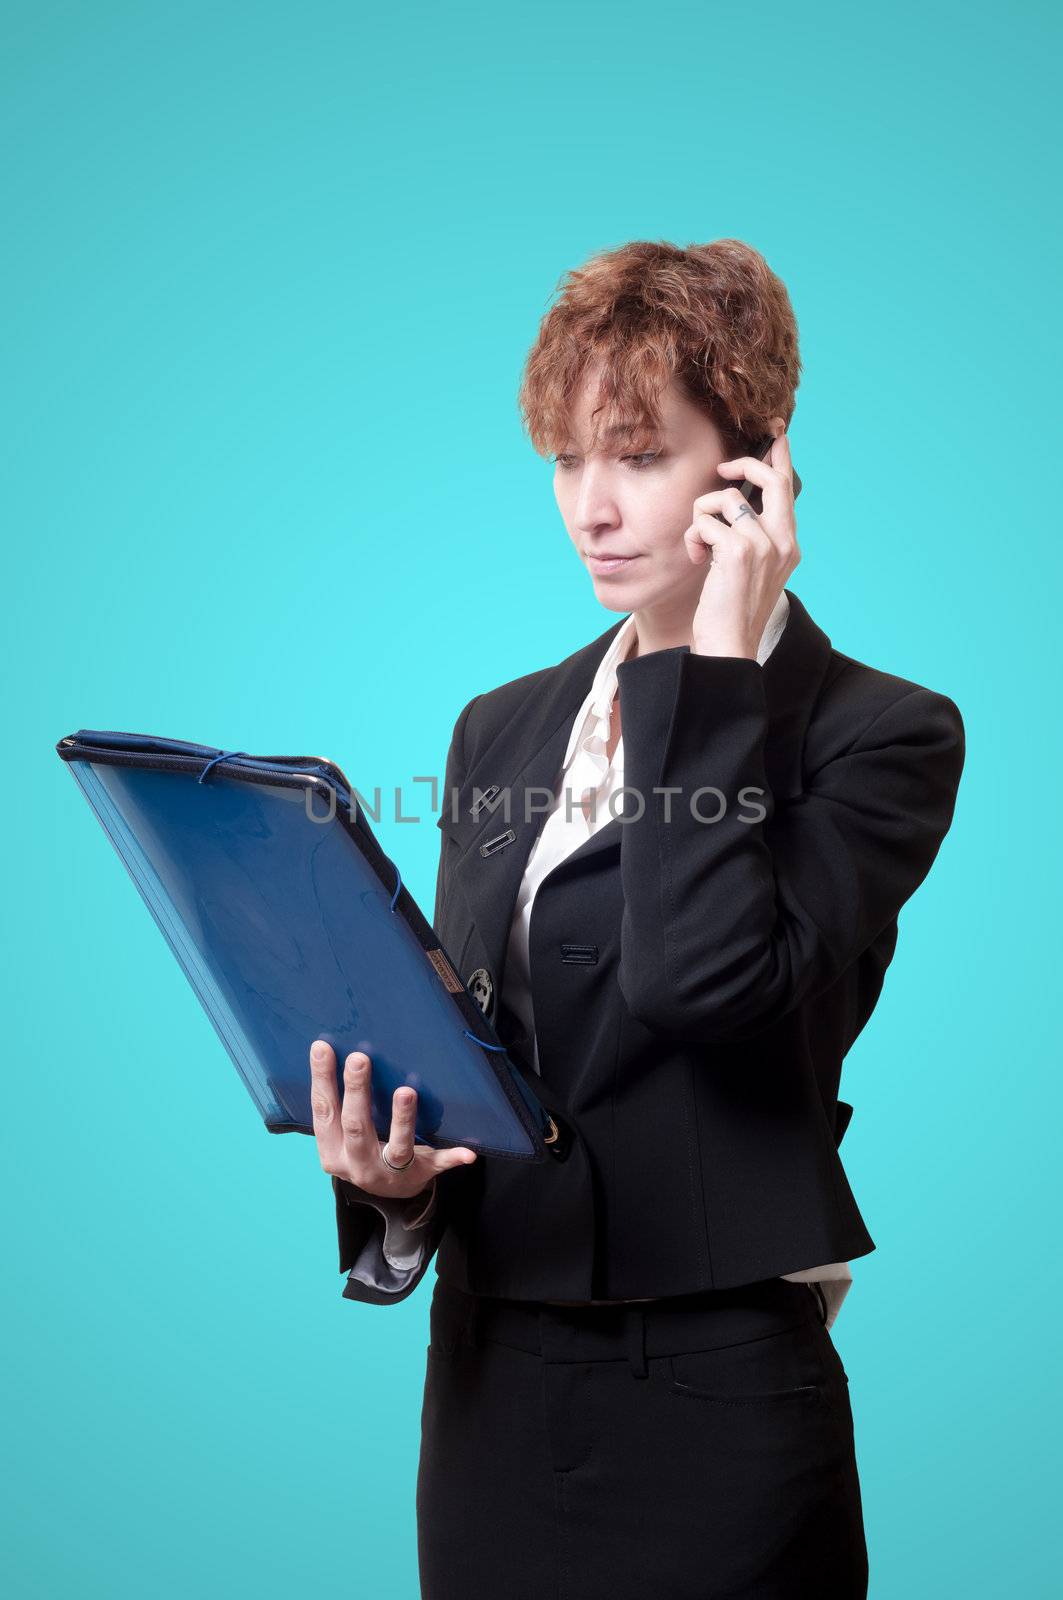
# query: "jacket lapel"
(524, 760)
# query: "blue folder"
(291, 924)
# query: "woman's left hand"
(750, 557)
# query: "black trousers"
(695, 1448)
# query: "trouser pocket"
(787, 1367)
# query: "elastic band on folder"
(482, 1042)
(398, 886)
(223, 755)
(545, 1119)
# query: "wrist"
(420, 1206)
(724, 647)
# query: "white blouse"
(587, 776)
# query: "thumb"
(459, 1157)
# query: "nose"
(595, 506)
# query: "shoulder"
(860, 706)
(495, 708)
(482, 717)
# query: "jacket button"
(558, 1139)
(482, 989)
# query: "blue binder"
(291, 924)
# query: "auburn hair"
(713, 316)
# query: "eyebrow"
(619, 431)
(627, 430)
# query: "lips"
(607, 563)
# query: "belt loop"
(635, 1338)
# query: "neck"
(665, 624)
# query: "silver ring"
(391, 1164)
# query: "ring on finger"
(389, 1163)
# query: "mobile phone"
(752, 491)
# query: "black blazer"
(696, 985)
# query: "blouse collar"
(590, 727)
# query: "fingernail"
(319, 1051)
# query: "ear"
(777, 426)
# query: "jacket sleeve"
(723, 933)
(386, 1244)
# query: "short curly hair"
(713, 316)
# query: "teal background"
(271, 276)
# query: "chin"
(629, 593)
(618, 591)
(620, 601)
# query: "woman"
(632, 1389)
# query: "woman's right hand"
(346, 1138)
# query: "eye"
(562, 461)
(646, 459)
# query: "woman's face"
(638, 507)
